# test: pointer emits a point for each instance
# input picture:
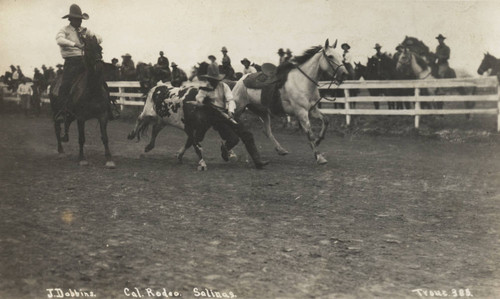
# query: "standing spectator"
(127, 69)
(213, 67)
(178, 76)
(281, 53)
(24, 93)
(443, 54)
(15, 78)
(288, 55)
(227, 69)
(248, 69)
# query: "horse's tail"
(141, 127)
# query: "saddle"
(269, 81)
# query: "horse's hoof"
(65, 138)
(110, 165)
(148, 148)
(83, 163)
(232, 156)
(202, 166)
(282, 151)
(179, 157)
(130, 136)
(321, 160)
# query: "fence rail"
(128, 94)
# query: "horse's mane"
(416, 46)
(306, 55)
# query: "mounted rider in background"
(442, 56)
(70, 40)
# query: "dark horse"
(490, 62)
(88, 99)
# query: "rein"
(337, 82)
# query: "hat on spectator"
(76, 12)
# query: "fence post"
(347, 107)
(122, 99)
(498, 109)
(417, 108)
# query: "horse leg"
(324, 124)
(57, 127)
(268, 132)
(67, 123)
(103, 124)
(180, 153)
(156, 129)
(81, 142)
(306, 126)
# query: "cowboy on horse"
(442, 56)
(70, 40)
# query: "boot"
(224, 152)
(254, 153)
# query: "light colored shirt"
(67, 38)
(221, 97)
(249, 70)
(347, 58)
(24, 89)
(15, 75)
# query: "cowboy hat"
(288, 51)
(173, 64)
(245, 60)
(212, 57)
(127, 55)
(440, 36)
(399, 46)
(59, 65)
(377, 46)
(224, 49)
(217, 77)
(76, 12)
(345, 45)
(280, 51)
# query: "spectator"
(127, 69)
(178, 76)
(288, 55)
(281, 53)
(24, 93)
(213, 67)
(227, 68)
(248, 69)
(379, 54)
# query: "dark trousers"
(229, 131)
(73, 66)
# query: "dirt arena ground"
(389, 216)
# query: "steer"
(175, 107)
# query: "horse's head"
(331, 61)
(92, 50)
(359, 71)
(487, 63)
(404, 60)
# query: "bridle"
(333, 81)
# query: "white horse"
(419, 68)
(299, 95)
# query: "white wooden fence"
(136, 98)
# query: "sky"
(190, 30)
